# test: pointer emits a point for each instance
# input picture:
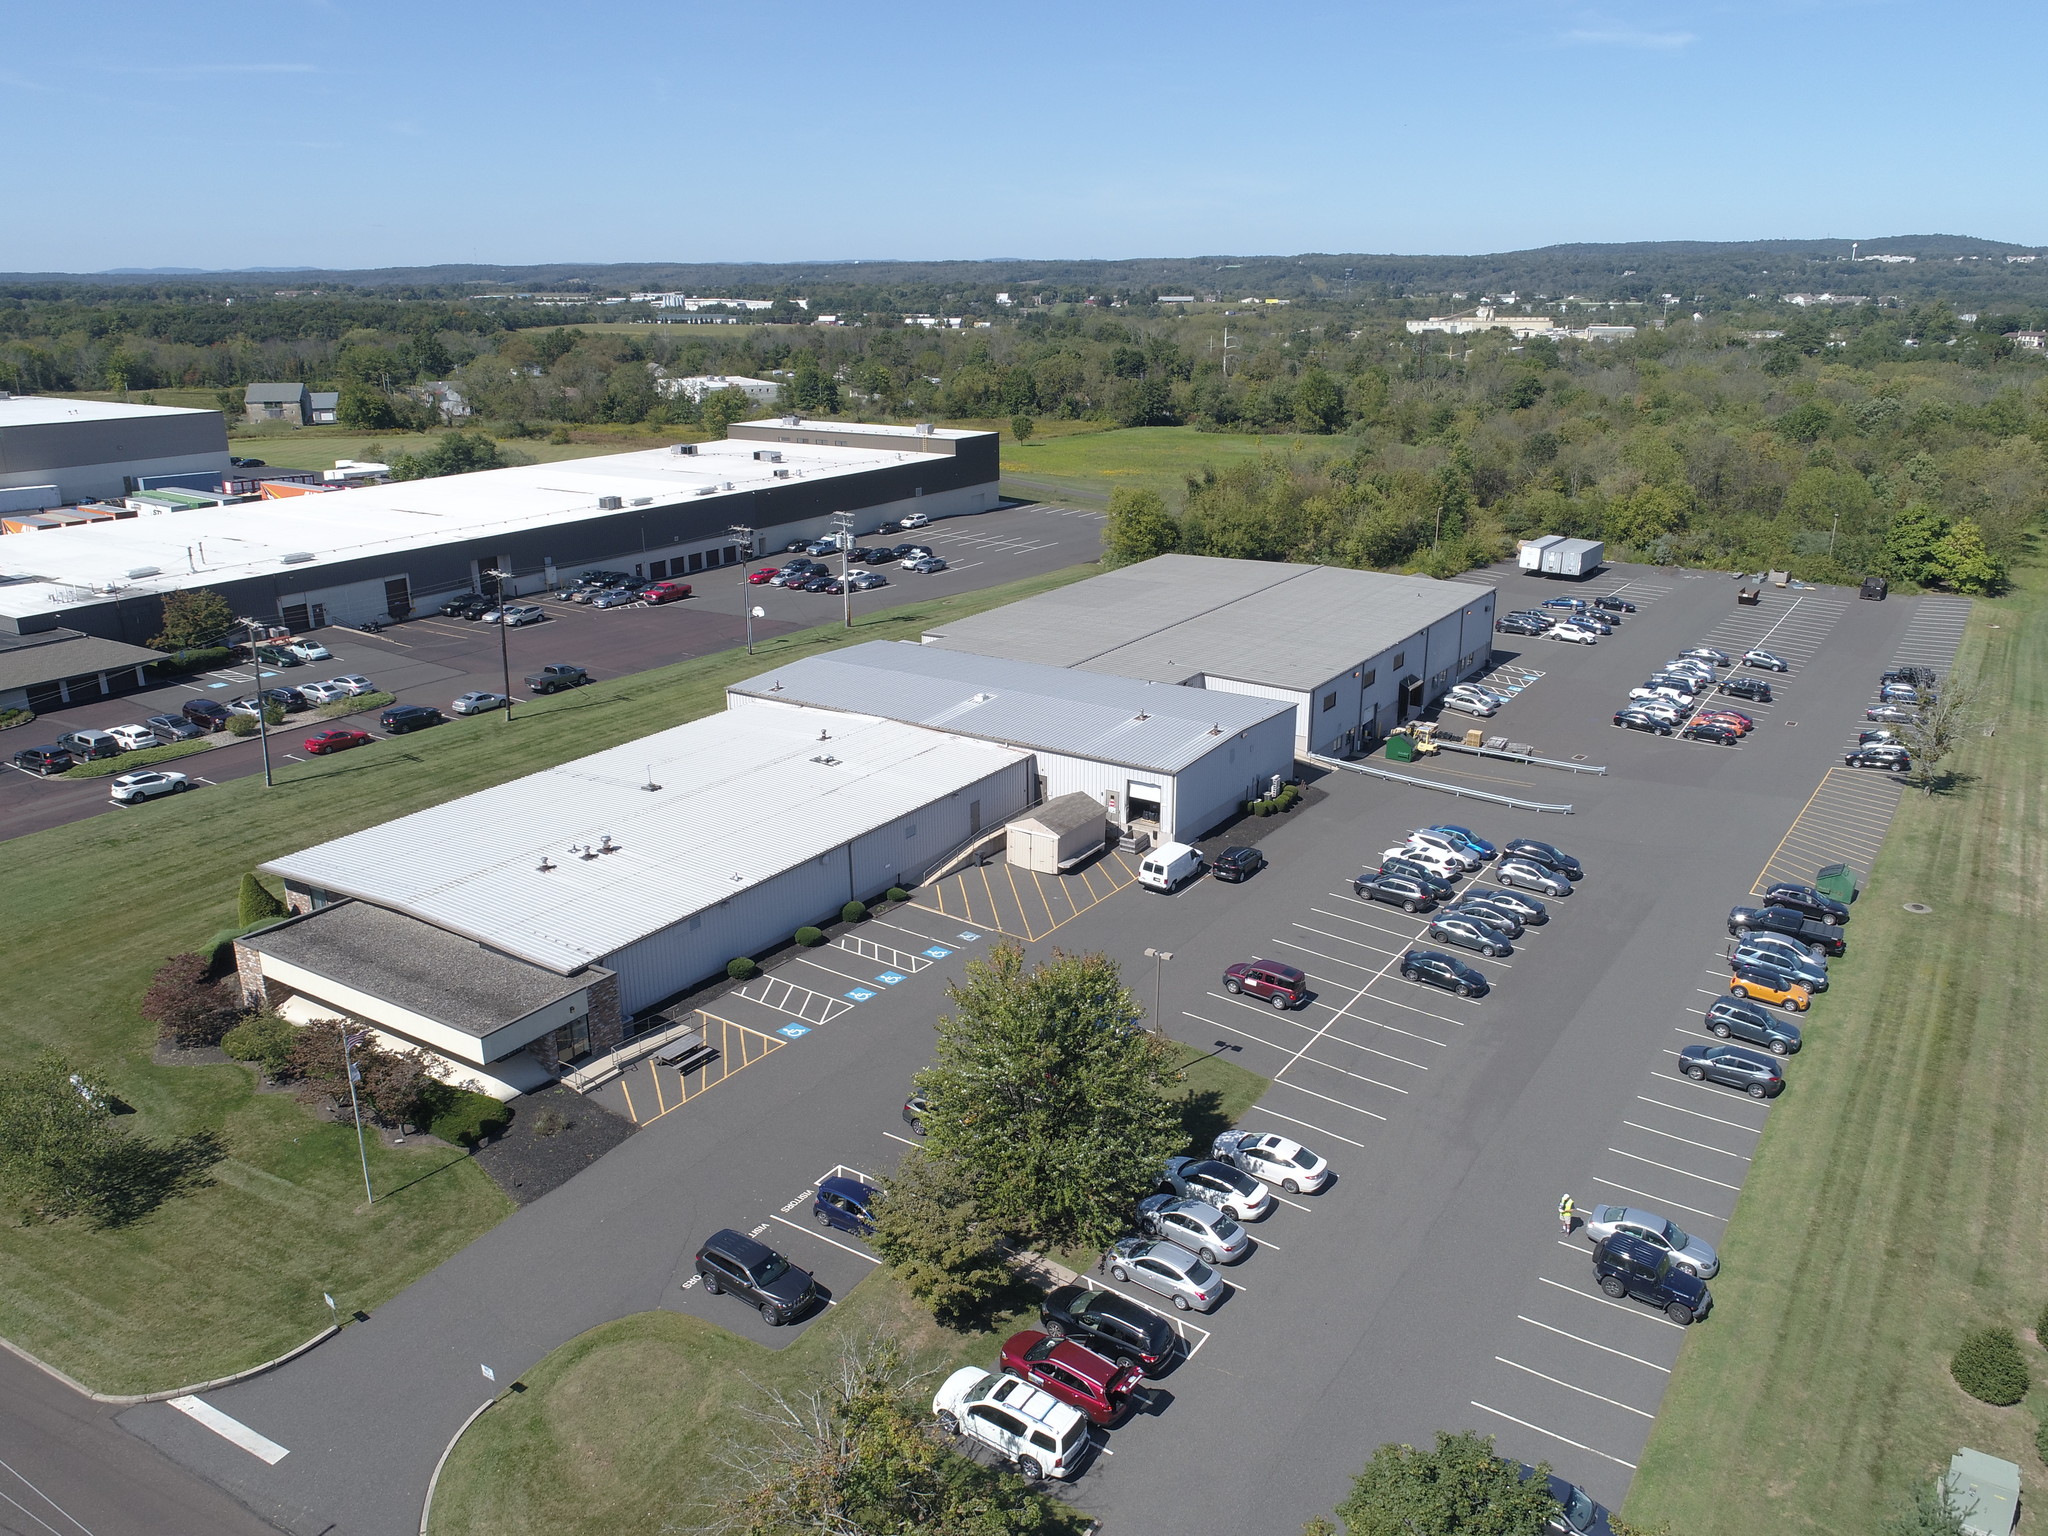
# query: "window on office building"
(1370, 674)
(1400, 658)
(1329, 701)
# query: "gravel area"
(526, 1164)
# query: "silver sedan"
(1197, 1226)
(1687, 1251)
(1181, 1277)
(1522, 872)
(478, 703)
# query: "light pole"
(743, 539)
(348, 1040)
(844, 522)
(1158, 957)
(498, 579)
(262, 704)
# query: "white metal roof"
(205, 547)
(743, 796)
(43, 411)
(1024, 704)
(1176, 618)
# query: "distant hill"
(1960, 267)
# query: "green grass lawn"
(319, 447)
(1091, 465)
(1900, 1193)
(233, 1275)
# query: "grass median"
(234, 1274)
(1899, 1196)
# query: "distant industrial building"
(62, 451)
(509, 929)
(1484, 318)
(1178, 760)
(1354, 652)
(698, 385)
(368, 551)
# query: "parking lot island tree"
(1051, 1094)
(930, 1230)
(1945, 720)
(193, 619)
(1458, 1488)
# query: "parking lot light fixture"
(262, 704)
(1158, 957)
(498, 579)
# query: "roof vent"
(824, 735)
(792, 421)
(545, 865)
(1141, 715)
(140, 570)
(1216, 730)
(983, 698)
(924, 429)
(727, 486)
(707, 490)
(768, 455)
(827, 759)
(782, 474)
(682, 448)
(643, 501)
(609, 503)
(297, 557)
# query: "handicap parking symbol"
(794, 1030)
(938, 952)
(970, 937)
(860, 994)
(889, 978)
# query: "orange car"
(1739, 723)
(1762, 986)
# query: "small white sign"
(489, 1374)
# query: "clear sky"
(363, 133)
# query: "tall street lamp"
(498, 579)
(1158, 957)
(262, 704)
(349, 1041)
(843, 521)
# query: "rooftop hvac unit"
(643, 501)
(768, 455)
(707, 490)
(924, 429)
(727, 486)
(682, 448)
(145, 570)
(297, 557)
(609, 503)
(782, 474)
(792, 421)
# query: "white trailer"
(1531, 557)
(1574, 557)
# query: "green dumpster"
(1400, 749)
(1838, 881)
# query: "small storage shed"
(1985, 1491)
(1059, 834)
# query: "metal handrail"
(1450, 789)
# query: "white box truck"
(1573, 557)
(1531, 558)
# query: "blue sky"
(358, 133)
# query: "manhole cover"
(1918, 906)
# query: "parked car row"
(197, 718)
(1575, 619)
(1673, 699)
(1902, 692)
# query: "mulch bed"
(526, 1164)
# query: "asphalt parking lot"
(1428, 1286)
(430, 660)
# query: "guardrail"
(1450, 789)
(612, 1063)
(1521, 757)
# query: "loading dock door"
(1411, 694)
(1142, 803)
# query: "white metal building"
(540, 914)
(1179, 758)
(1354, 652)
(80, 449)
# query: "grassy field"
(1091, 465)
(319, 447)
(233, 1275)
(619, 1430)
(1900, 1194)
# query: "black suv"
(757, 1274)
(401, 718)
(1733, 1066)
(467, 605)
(1234, 864)
(1403, 891)
(1442, 970)
(1513, 624)
(1808, 902)
(207, 714)
(1429, 880)
(1732, 1016)
(1628, 1266)
(1794, 925)
(1113, 1326)
(1546, 855)
(1755, 689)
(1889, 756)
(43, 761)
(1912, 677)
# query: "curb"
(129, 1400)
(434, 1482)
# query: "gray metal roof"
(51, 654)
(1024, 704)
(741, 797)
(439, 975)
(1065, 813)
(1177, 618)
(325, 400)
(274, 394)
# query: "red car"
(665, 591)
(1728, 717)
(762, 577)
(1076, 1376)
(337, 740)
(1281, 985)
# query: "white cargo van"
(1169, 866)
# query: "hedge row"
(128, 762)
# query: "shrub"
(463, 1117)
(853, 912)
(241, 725)
(740, 968)
(255, 905)
(897, 893)
(202, 659)
(1989, 1366)
(188, 1007)
(265, 1040)
(2041, 1440)
(391, 1087)
(2041, 1329)
(552, 1122)
(362, 703)
(10, 717)
(810, 937)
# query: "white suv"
(1435, 860)
(1444, 843)
(1033, 1430)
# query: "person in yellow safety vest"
(1565, 1214)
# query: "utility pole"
(262, 704)
(1226, 351)
(743, 539)
(843, 521)
(498, 579)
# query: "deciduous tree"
(931, 1231)
(1460, 1488)
(1962, 562)
(1944, 721)
(1139, 527)
(193, 619)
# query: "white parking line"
(904, 1139)
(1659, 1200)
(1754, 1130)
(1340, 1013)
(1339, 1039)
(1378, 949)
(1635, 1311)
(1316, 1128)
(1634, 1126)
(1611, 1402)
(1293, 1019)
(821, 1237)
(1682, 1172)
(1282, 1083)
(1624, 1354)
(265, 1450)
(1327, 1065)
(1552, 1434)
(863, 981)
